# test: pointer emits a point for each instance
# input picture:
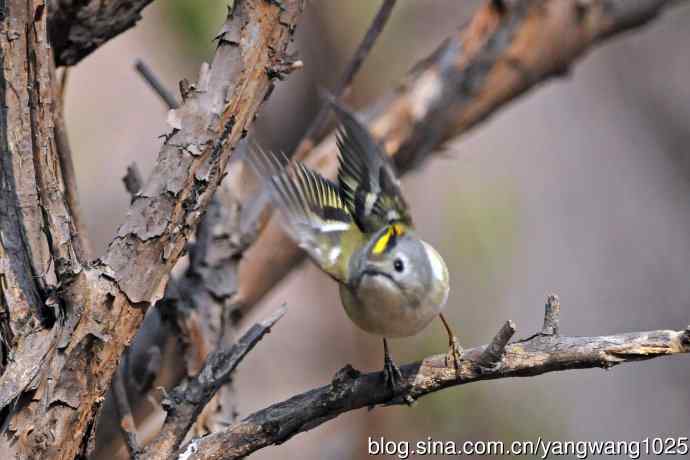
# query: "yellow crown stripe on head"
(385, 239)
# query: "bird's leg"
(454, 349)
(393, 377)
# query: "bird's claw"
(394, 380)
(484, 369)
(454, 354)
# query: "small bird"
(360, 232)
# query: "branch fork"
(351, 390)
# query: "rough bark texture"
(77, 27)
(71, 321)
(352, 390)
(186, 401)
(37, 248)
(64, 323)
(197, 304)
(205, 128)
(498, 56)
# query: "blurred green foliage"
(195, 23)
(481, 224)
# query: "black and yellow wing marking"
(367, 179)
(312, 208)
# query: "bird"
(359, 231)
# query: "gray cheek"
(415, 291)
(357, 264)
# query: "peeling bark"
(64, 323)
(186, 401)
(206, 127)
(97, 309)
(37, 248)
(78, 27)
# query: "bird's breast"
(378, 308)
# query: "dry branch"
(351, 390)
(38, 238)
(496, 349)
(69, 176)
(104, 304)
(193, 159)
(124, 412)
(314, 131)
(552, 311)
(156, 85)
(78, 27)
(194, 305)
(67, 323)
(498, 56)
(186, 401)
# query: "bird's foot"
(454, 354)
(394, 380)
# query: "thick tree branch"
(108, 300)
(194, 306)
(351, 390)
(78, 27)
(498, 56)
(38, 237)
(192, 161)
(186, 401)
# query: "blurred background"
(580, 188)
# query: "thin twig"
(351, 390)
(155, 84)
(552, 311)
(494, 352)
(67, 167)
(186, 401)
(315, 129)
(127, 425)
(133, 180)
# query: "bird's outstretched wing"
(312, 208)
(368, 183)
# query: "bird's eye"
(398, 265)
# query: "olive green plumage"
(359, 231)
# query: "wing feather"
(313, 210)
(367, 178)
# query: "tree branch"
(552, 311)
(496, 350)
(186, 401)
(194, 305)
(77, 27)
(108, 299)
(500, 55)
(314, 131)
(156, 85)
(124, 412)
(69, 176)
(351, 390)
(193, 158)
(39, 241)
